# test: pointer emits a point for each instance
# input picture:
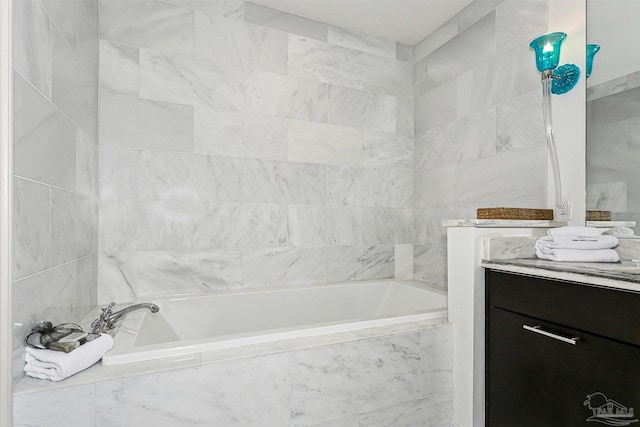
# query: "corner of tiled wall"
(55, 164)
(478, 122)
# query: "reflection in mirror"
(613, 109)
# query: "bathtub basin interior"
(193, 324)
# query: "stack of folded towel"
(577, 244)
(622, 232)
(57, 365)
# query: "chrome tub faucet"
(108, 318)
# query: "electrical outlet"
(563, 211)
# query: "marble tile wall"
(55, 164)
(479, 135)
(613, 147)
(393, 380)
(244, 147)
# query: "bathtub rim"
(125, 352)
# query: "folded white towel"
(623, 232)
(578, 255)
(574, 231)
(577, 242)
(57, 365)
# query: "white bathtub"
(187, 325)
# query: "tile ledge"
(504, 223)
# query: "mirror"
(613, 110)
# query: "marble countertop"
(622, 275)
(505, 223)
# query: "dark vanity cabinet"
(560, 354)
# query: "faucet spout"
(108, 318)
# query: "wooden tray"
(515, 213)
(598, 215)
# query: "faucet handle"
(107, 310)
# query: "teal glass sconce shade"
(592, 49)
(547, 50)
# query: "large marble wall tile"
(633, 196)
(519, 122)
(91, 7)
(31, 216)
(229, 8)
(65, 17)
(351, 107)
(118, 173)
(283, 266)
(344, 225)
(443, 34)
(307, 225)
(309, 142)
(404, 117)
(346, 186)
(283, 182)
(633, 134)
(86, 292)
(436, 146)
(183, 177)
(429, 229)
(342, 422)
(346, 67)
(436, 186)
(86, 164)
(32, 44)
(360, 41)
(253, 392)
(68, 407)
(119, 68)
(278, 95)
(497, 87)
(387, 150)
(435, 107)
(613, 165)
(74, 90)
(283, 21)
(88, 47)
(474, 11)
(336, 381)
(50, 295)
(390, 187)
(518, 175)
(468, 49)
(147, 23)
(240, 44)
(73, 221)
(603, 139)
(610, 196)
(614, 108)
(436, 361)
(519, 21)
(145, 225)
(388, 225)
(235, 134)
(476, 135)
(179, 272)
(247, 225)
(137, 123)
(359, 262)
(435, 411)
(117, 277)
(44, 139)
(185, 80)
(430, 265)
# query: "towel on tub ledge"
(574, 231)
(57, 365)
(578, 255)
(577, 242)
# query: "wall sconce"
(556, 80)
(592, 49)
(547, 50)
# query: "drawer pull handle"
(538, 330)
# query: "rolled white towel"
(57, 365)
(578, 255)
(622, 232)
(574, 231)
(577, 242)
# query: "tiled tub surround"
(613, 182)
(242, 147)
(362, 379)
(479, 134)
(55, 163)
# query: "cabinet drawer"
(607, 312)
